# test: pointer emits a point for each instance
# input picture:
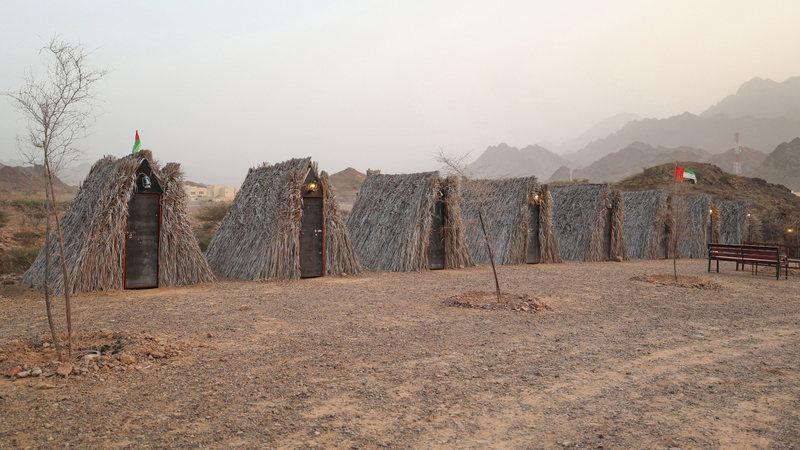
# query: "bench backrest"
(744, 252)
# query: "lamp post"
(711, 226)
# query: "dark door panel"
(607, 236)
(141, 241)
(532, 256)
(436, 246)
(311, 239)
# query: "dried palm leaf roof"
(94, 230)
(504, 205)
(732, 220)
(578, 216)
(644, 221)
(259, 237)
(390, 223)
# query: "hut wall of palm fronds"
(732, 220)
(548, 244)
(259, 237)
(752, 230)
(390, 223)
(95, 225)
(579, 217)
(693, 238)
(645, 220)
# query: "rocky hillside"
(637, 156)
(783, 165)
(505, 161)
(761, 98)
(346, 185)
(16, 181)
(713, 134)
(766, 199)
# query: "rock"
(24, 374)
(90, 357)
(244, 308)
(36, 371)
(64, 369)
(618, 259)
(12, 372)
(157, 354)
(222, 358)
(344, 274)
(46, 386)
(209, 335)
(127, 359)
(46, 344)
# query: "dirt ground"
(622, 359)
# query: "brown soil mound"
(686, 281)
(95, 352)
(488, 301)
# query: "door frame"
(158, 246)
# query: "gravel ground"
(379, 361)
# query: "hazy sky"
(221, 86)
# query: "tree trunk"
(63, 264)
(47, 303)
(491, 256)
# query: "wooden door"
(607, 235)
(533, 252)
(312, 237)
(141, 241)
(436, 246)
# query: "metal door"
(607, 236)
(312, 239)
(141, 241)
(532, 254)
(436, 246)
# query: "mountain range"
(505, 161)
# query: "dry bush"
(213, 212)
(18, 259)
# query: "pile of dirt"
(95, 353)
(488, 301)
(685, 281)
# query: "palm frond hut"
(645, 219)
(692, 243)
(409, 222)
(730, 218)
(284, 223)
(127, 227)
(588, 222)
(513, 216)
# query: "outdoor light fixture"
(748, 214)
(789, 230)
(711, 211)
(146, 181)
(312, 186)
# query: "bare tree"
(59, 105)
(458, 166)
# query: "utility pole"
(737, 165)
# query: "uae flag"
(138, 144)
(684, 174)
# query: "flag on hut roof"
(138, 144)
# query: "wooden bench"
(747, 254)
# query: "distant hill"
(26, 180)
(713, 134)
(638, 156)
(601, 130)
(346, 185)
(74, 176)
(761, 98)
(783, 165)
(766, 199)
(505, 161)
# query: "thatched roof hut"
(283, 223)
(588, 222)
(644, 223)
(515, 220)
(127, 227)
(408, 222)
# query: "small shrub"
(19, 259)
(725, 178)
(203, 237)
(213, 212)
(27, 238)
(5, 216)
